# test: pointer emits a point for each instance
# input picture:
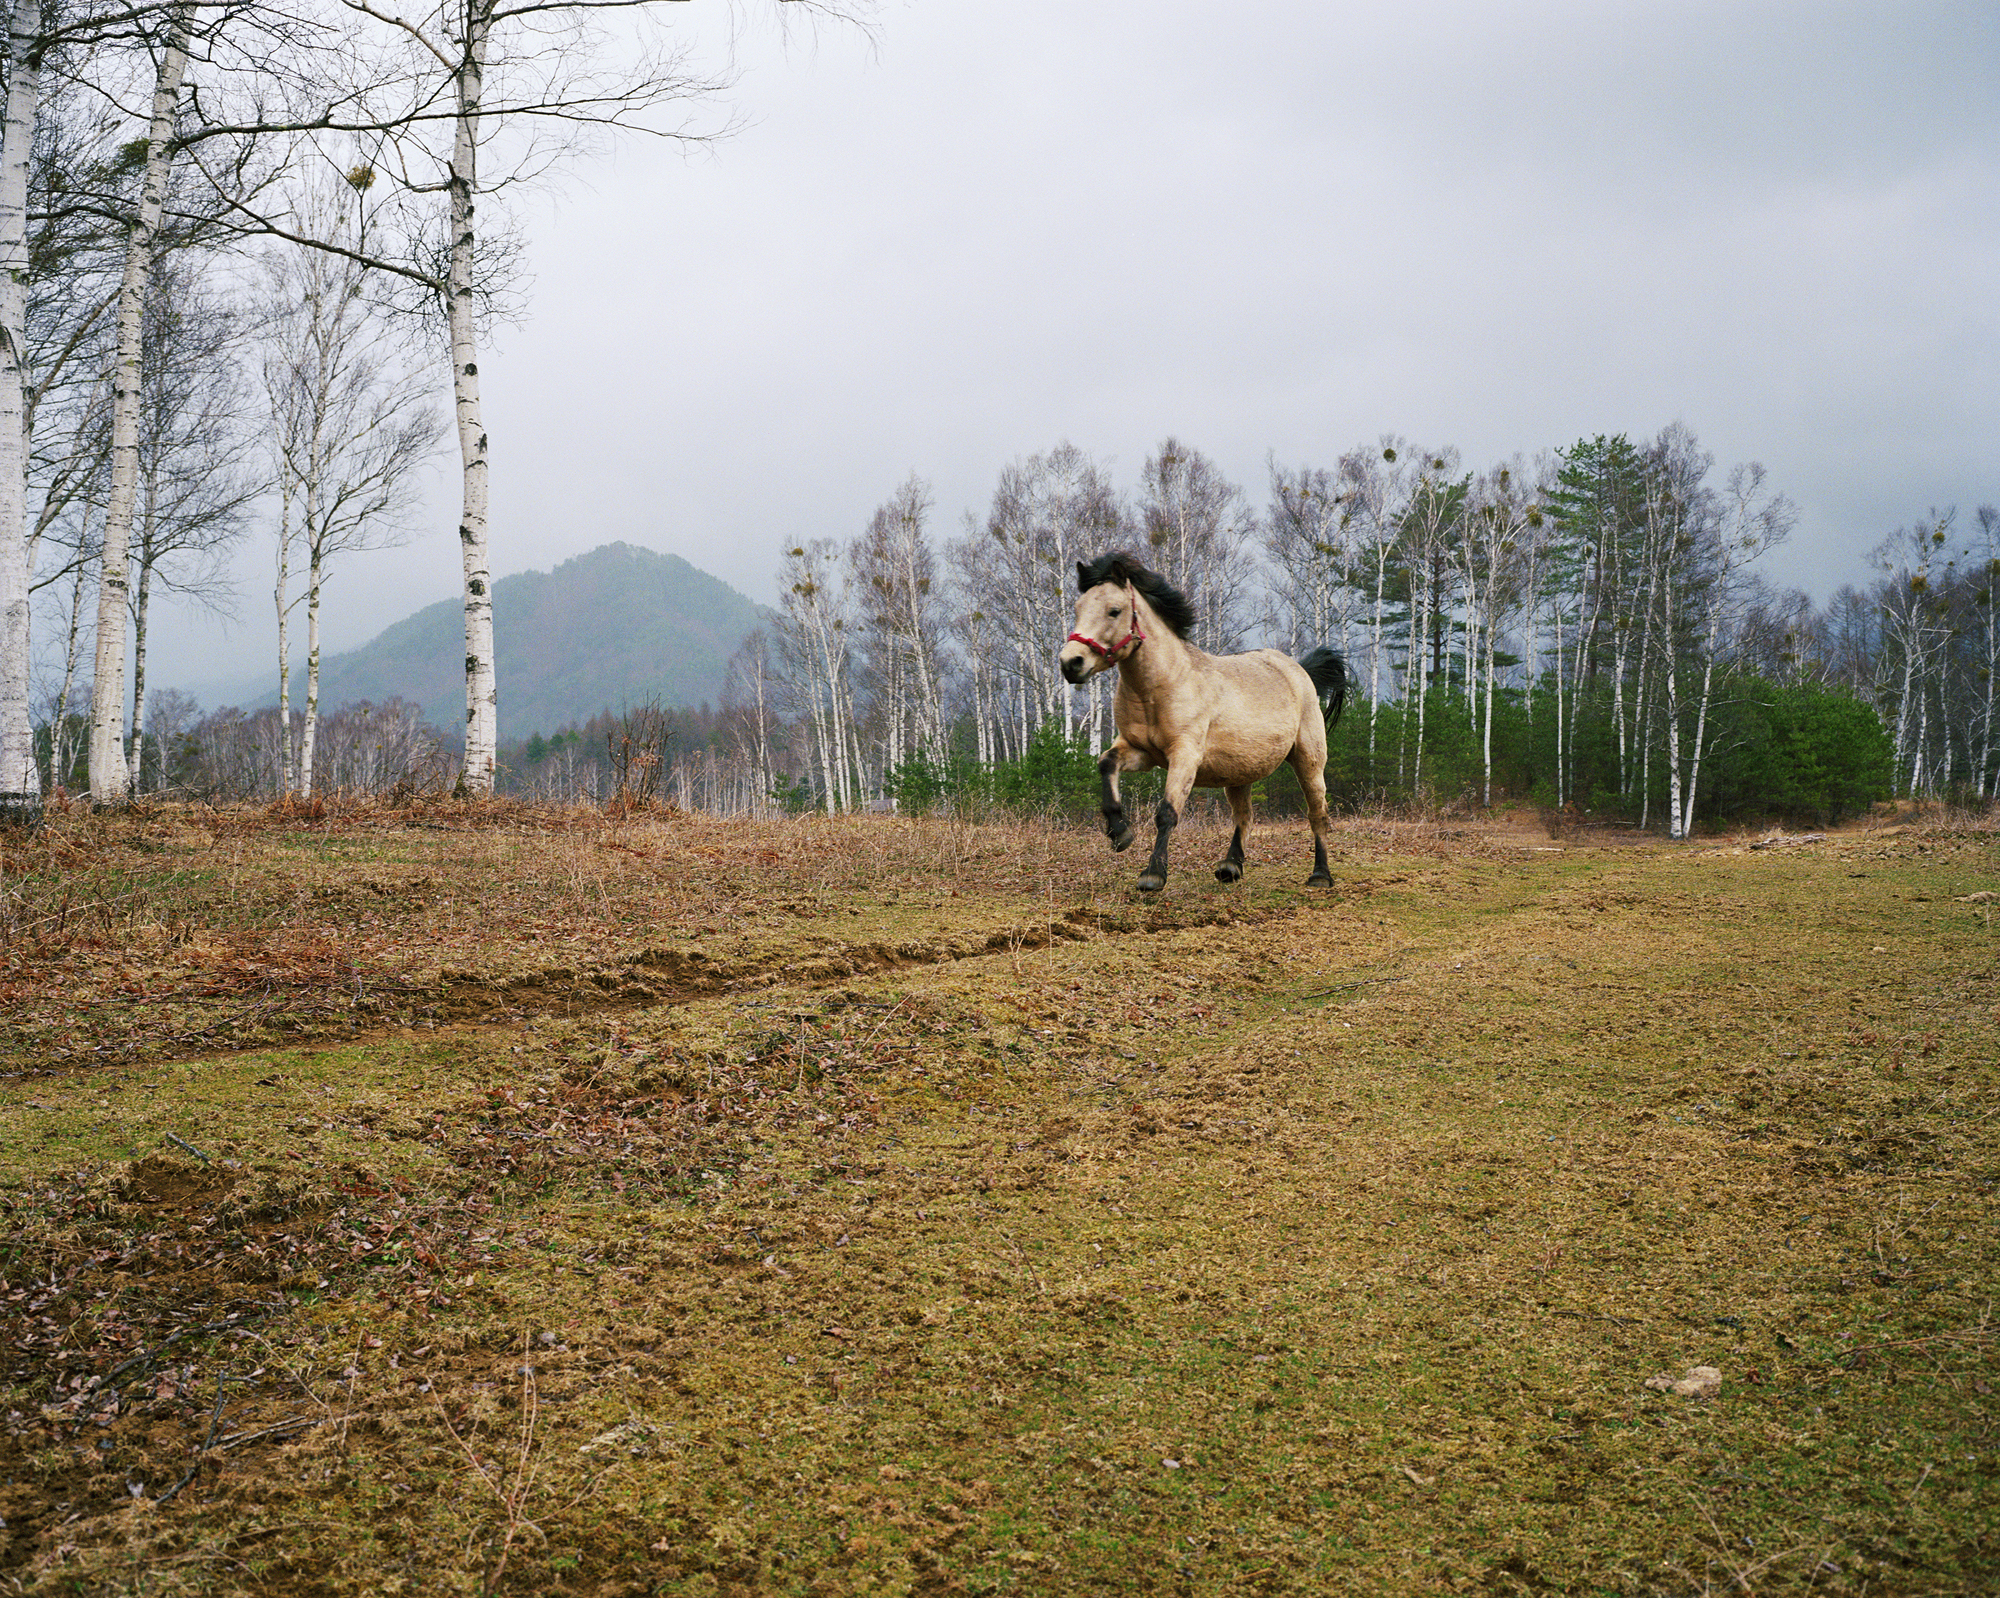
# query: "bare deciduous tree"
(815, 635)
(1433, 523)
(110, 776)
(195, 482)
(1915, 563)
(1200, 535)
(1310, 535)
(1374, 485)
(902, 609)
(1048, 512)
(352, 423)
(540, 71)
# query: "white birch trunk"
(60, 746)
(1903, 753)
(1700, 735)
(1675, 824)
(824, 749)
(482, 731)
(110, 778)
(309, 734)
(20, 781)
(1920, 773)
(1641, 703)
(1475, 625)
(1563, 775)
(1986, 773)
(763, 741)
(1413, 686)
(1618, 658)
(855, 781)
(1580, 643)
(1375, 648)
(1486, 748)
(282, 597)
(139, 677)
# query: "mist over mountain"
(616, 627)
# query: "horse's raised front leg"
(1231, 869)
(1181, 767)
(1119, 757)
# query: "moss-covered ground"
(490, 1201)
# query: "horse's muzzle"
(1073, 667)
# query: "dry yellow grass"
(912, 1209)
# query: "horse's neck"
(1162, 658)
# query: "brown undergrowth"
(161, 932)
(960, 1222)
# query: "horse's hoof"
(1319, 879)
(1229, 871)
(1121, 841)
(1149, 883)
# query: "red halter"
(1133, 637)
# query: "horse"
(1214, 721)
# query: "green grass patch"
(1232, 1244)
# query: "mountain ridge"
(618, 625)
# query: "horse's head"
(1107, 629)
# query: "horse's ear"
(1082, 577)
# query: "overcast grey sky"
(1283, 227)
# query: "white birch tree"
(902, 610)
(539, 71)
(36, 30)
(815, 633)
(747, 709)
(1503, 515)
(20, 782)
(195, 487)
(1200, 536)
(1986, 582)
(110, 776)
(1751, 521)
(352, 421)
(1432, 525)
(1916, 564)
(1374, 483)
(979, 639)
(1309, 536)
(1678, 511)
(1048, 512)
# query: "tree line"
(250, 259)
(1587, 626)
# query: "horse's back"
(1270, 682)
(1259, 715)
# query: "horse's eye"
(1114, 610)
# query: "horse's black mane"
(1171, 605)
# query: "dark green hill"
(616, 627)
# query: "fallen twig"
(296, 1423)
(181, 1142)
(214, 1420)
(1342, 987)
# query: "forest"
(1585, 630)
(246, 256)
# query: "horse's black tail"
(1329, 676)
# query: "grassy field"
(491, 1200)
